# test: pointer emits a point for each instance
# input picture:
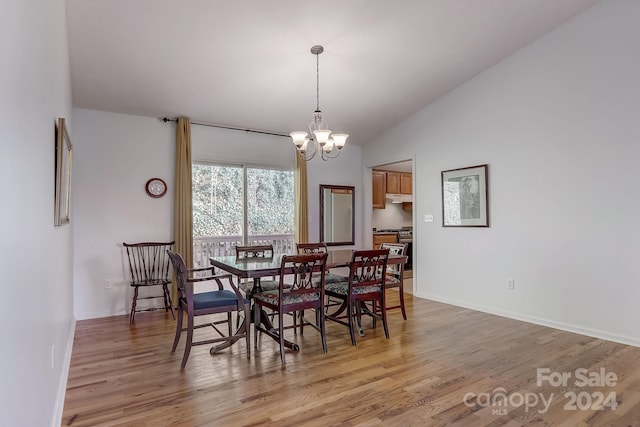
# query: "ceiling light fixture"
(319, 138)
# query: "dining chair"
(251, 252)
(300, 287)
(209, 303)
(394, 277)
(254, 251)
(149, 267)
(321, 247)
(365, 284)
(311, 248)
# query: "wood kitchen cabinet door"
(405, 183)
(393, 182)
(379, 189)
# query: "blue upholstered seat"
(211, 299)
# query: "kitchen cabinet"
(398, 182)
(379, 189)
(380, 238)
(390, 182)
(393, 182)
(405, 183)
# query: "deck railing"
(205, 247)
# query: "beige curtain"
(182, 207)
(302, 200)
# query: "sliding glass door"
(241, 205)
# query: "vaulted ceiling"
(247, 63)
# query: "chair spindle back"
(149, 262)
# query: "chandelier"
(319, 138)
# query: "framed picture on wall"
(465, 196)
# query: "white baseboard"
(99, 315)
(64, 376)
(595, 333)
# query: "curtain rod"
(166, 119)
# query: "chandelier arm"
(311, 152)
(307, 158)
(326, 156)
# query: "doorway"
(392, 216)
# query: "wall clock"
(156, 187)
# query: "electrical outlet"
(428, 218)
(511, 284)
(107, 283)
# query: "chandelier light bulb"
(328, 147)
(339, 139)
(322, 136)
(298, 138)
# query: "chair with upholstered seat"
(318, 248)
(395, 274)
(149, 267)
(254, 251)
(209, 303)
(300, 287)
(251, 252)
(365, 284)
(311, 248)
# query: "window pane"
(270, 201)
(217, 200)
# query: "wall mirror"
(62, 214)
(337, 216)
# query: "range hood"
(399, 198)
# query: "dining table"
(256, 268)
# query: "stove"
(405, 235)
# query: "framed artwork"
(464, 197)
(63, 151)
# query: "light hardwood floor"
(126, 376)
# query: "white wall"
(36, 256)
(117, 153)
(557, 122)
(391, 217)
(237, 147)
